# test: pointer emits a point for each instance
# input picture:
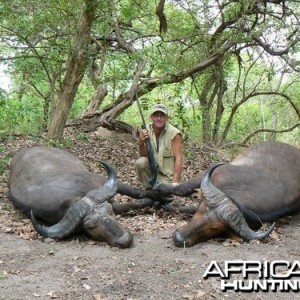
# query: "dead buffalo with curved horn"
(54, 186)
(260, 185)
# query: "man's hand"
(143, 135)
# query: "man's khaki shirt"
(162, 147)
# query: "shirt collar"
(163, 130)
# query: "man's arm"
(178, 156)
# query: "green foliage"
(65, 143)
(3, 276)
(3, 95)
(4, 165)
(41, 35)
(214, 157)
(4, 161)
(20, 116)
(81, 102)
(82, 136)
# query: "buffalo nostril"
(125, 241)
(178, 239)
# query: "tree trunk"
(75, 71)
(98, 97)
(206, 98)
(222, 87)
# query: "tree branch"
(269, 130)
(163, 26)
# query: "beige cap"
(159, 107)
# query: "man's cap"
(159, 107)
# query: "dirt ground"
(32, 267)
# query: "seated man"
(166, 141)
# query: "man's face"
(159, 119)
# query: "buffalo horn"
(68, 224)
(78, 210)
(227, 210)
(109, 189)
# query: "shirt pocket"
(167, 153)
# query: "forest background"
(228, 70)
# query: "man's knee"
(142, 163)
